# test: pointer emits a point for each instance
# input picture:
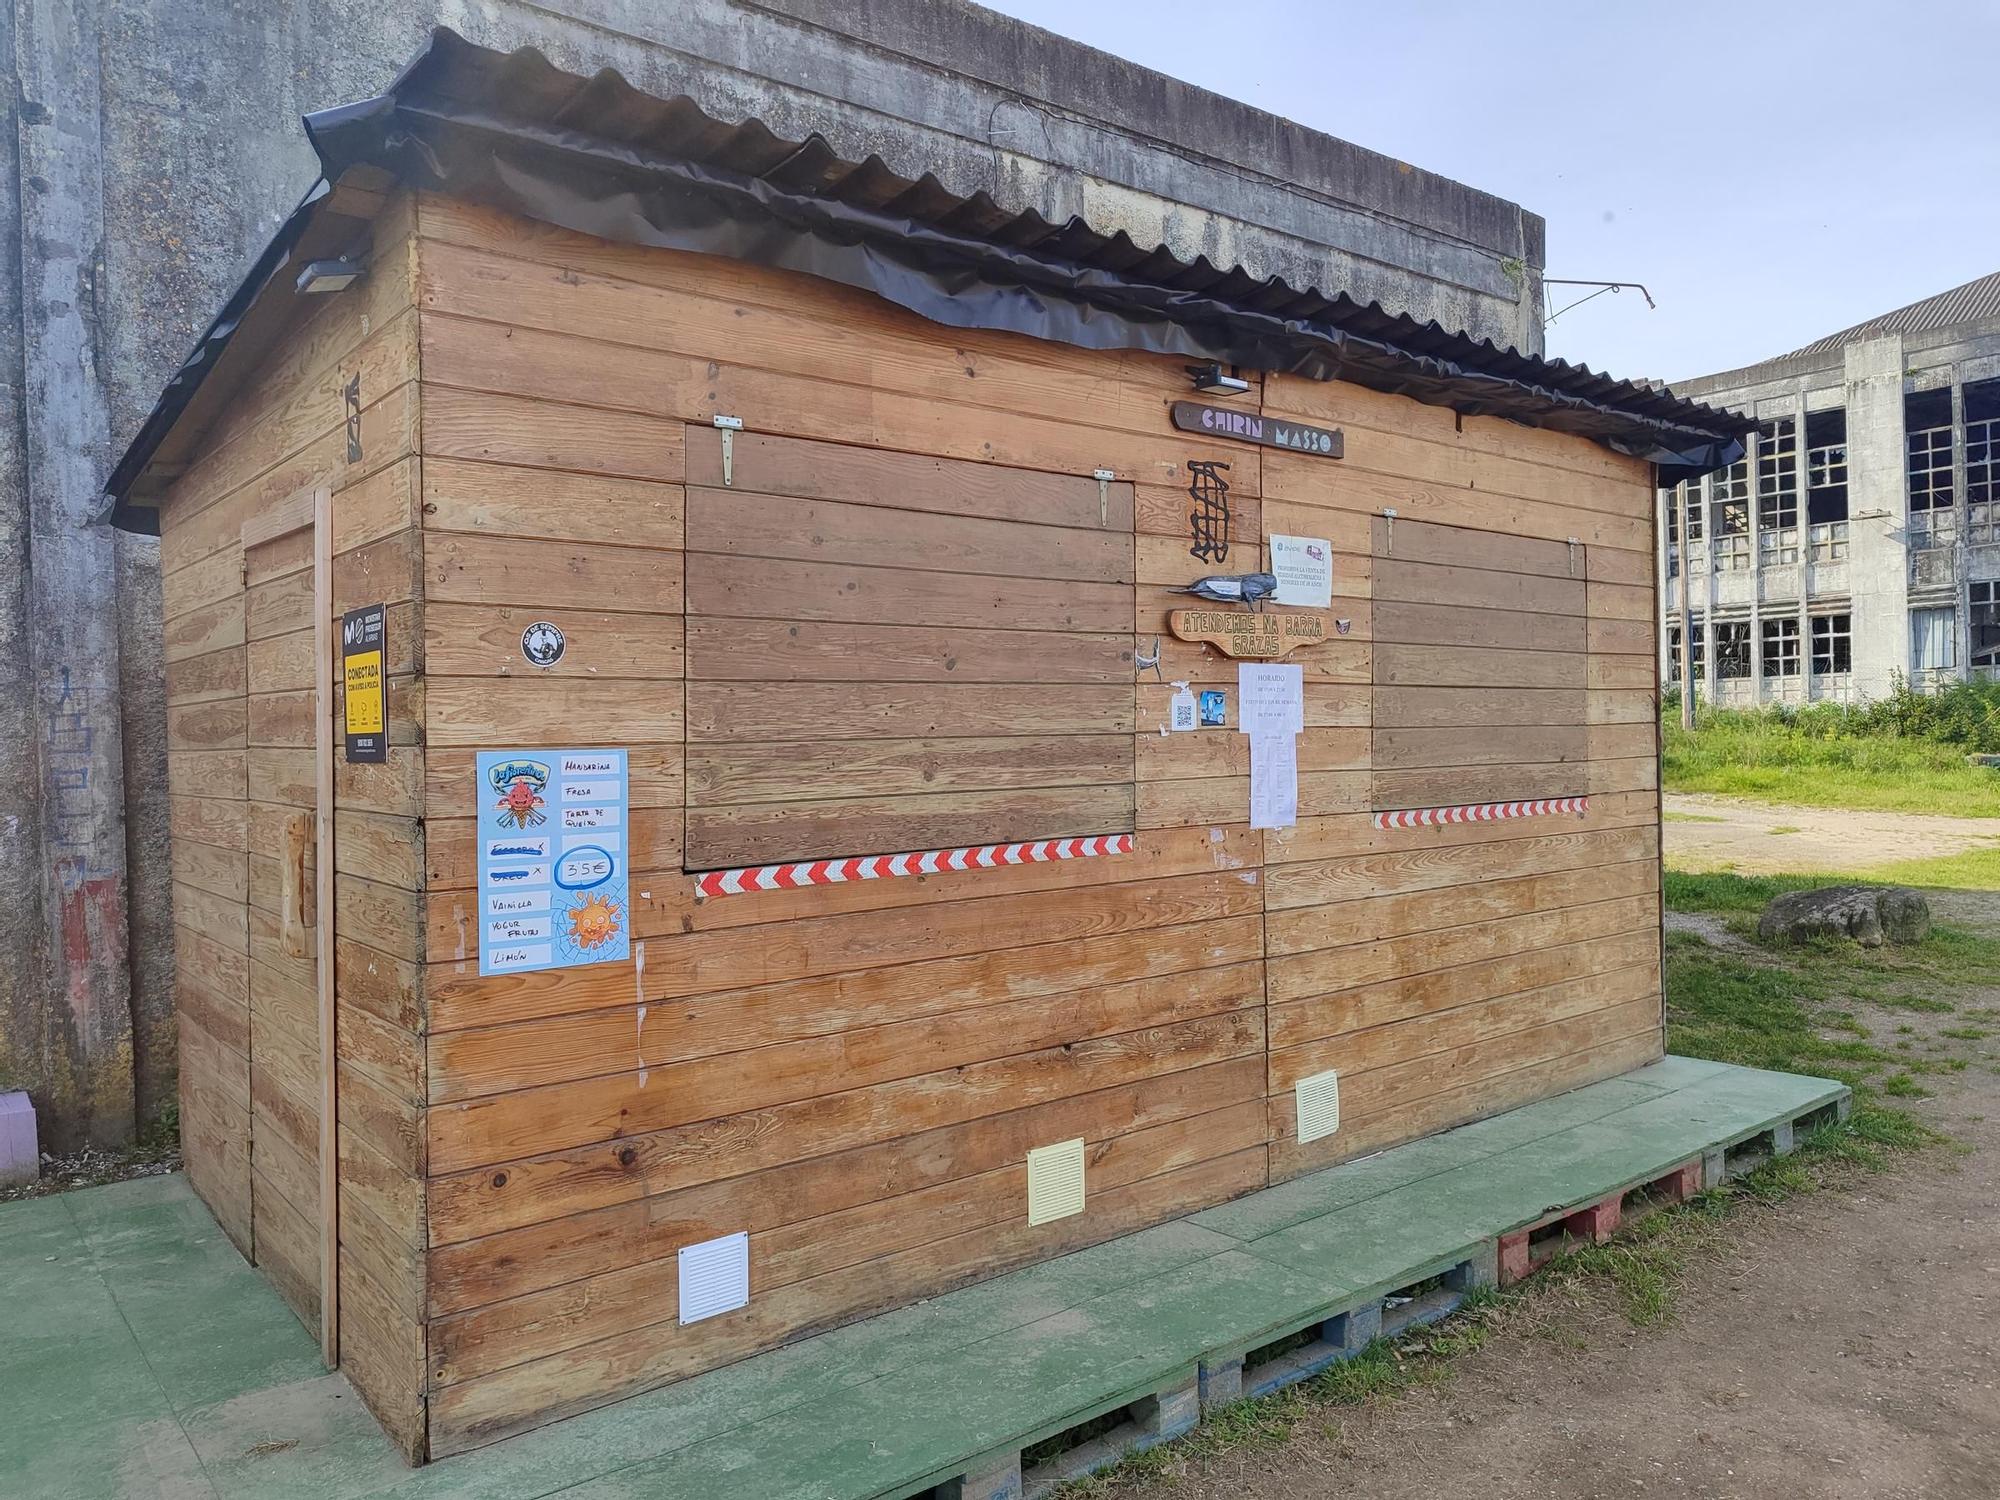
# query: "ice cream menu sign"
(554, 886)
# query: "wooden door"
(289, 681)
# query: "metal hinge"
(1573, 545)
(1389, 531)
(1103, 478)
(730, 426)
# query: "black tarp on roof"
(596, 156)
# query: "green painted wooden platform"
(140, 1356)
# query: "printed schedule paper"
(554, 887)
(1271, 709)
(1270, 698)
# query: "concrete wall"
(157, 146)
(1877, 512)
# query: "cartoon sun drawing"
(521, 803)
(594, 921)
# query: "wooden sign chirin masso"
(1243, 634)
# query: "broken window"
(1934, 640)
(1778, 478)
(1826, 486)
(1826, 466)
(1927, 438)
(1832, 645)
(1730, 502)
(1690, 504)
(1695, 643)
(1732, 649)
(1985, 624)
(1982, 462)
(1732, 553)
(1729, 518)
(1781, 647)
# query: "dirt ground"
(1714, 833)
(1843, 1344)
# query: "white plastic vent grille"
(1319, 1105)
(715, 1277)
(1055, 1181)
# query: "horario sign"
(1253, 427)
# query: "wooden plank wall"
(855, 1073)
(889, 652)
(1450, 973)
(238, 632)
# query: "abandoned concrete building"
(1858, 540)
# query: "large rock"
(1870, 914)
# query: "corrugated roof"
(598, 156)
(1974, 302)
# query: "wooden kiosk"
(764, 563)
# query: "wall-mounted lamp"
(1210, 380)
(330, 275)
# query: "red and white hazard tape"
(1480, 812)
(887, 866)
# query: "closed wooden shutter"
(1480, 667)
(888, 652)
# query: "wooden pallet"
(1315, 1340)
(1429, 1296)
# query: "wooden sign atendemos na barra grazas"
(1243, 634)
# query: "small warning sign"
(363, 649)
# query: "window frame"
(1782, 633)
(1732, 651)
(1834, 630)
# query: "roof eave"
(599, 157)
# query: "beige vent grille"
(1055, 1181)
(1319, 1105)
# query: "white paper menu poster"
(554, 890)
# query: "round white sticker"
(542, 644)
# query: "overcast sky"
(1773, 172)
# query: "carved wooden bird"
(1234, 588)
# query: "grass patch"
(1720, 892)
(1976, 869)
(1686, 817)
(1764, 758)
(1903, 753)
(1790, 1012)
(1758, 1015)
